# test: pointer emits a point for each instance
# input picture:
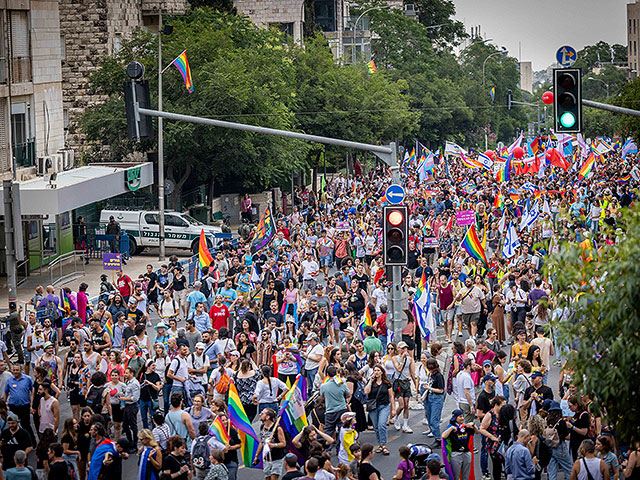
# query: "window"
(325, 12)
(151, 219)
(63, 48)
(117, 42)
(173, 221)
(20, 60)
(284, 27)
(3, 53)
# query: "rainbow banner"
(492, 93)
(109, 328)
(588, 166)
(204, 255)
(182, 64)
(366, 320)
(216, 429)
(66, 304)
(472, 245)
(293, 415)
(248, 439)
(371, 66)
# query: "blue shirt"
(518, 462)
(16, 473)
(19, 390)
(195, 297)
(202, 322)
(228, 295)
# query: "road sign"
(566, 56)
(395, 194)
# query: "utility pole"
(161, 255)
(12, 233)
(396, 271)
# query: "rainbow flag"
(492, 93)
(427, 225)
(624, 179)
(248, 439)
(412, 157)
(293, 416)
(216, 429)
(473, 246)
(446, 458)
(66, 304)
(498, 202)
(182, 64)
(109, 328)
(588, 166)
(203, 251)
(366, 320)
(469, 162)
(371, 66)
(382, 201)
(504, 174)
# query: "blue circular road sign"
(566, 56)
(395, 194)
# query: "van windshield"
(190, 219)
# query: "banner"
(465, 217)
(265, 231)
(111, 261)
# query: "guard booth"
(47, 204)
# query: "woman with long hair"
(267, 390)
(307, 437)
(246, 348)
(114, 361)
(456, 365)
(605, 452)
(116, 388)
(432, 392)
(578, 424)
(354, 384)
(533, 355)
(246, 379)
(490, 429)
(150, 456)
(366, 471)
(380, 405)
(78, 378)
(84, 441)
(69, 442)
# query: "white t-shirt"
(193, 361)
(311, 364)
(179, 368)
(264, 394)
(224, 345)
(464, 380)
(168, 307)
(381, 298)
(309, 267)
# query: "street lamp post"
(504, 52)
(600, 80)
(161, 254)
(355, 28)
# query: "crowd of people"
(147, 369)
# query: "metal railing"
(60, 270)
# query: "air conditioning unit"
(57, 162)
(68, 161)
(45, 165)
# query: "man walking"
(336, 394)
(517, 461)
(130, 397)
(17, 394)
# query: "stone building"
(633, 37)
(30, 81)
(285, 15)
(91, 30)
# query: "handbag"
(372, 403)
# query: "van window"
(173, 221)
(151, 219)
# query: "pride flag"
(588, 166)
(446, 457)
(292, 412)
(371, 66)
(203, 251)
(109, 328)
(473, 246)
(248, 439)
(182, 64)
(492, 93)
(422, 308)
(504, 174)
(216, 429)
(366, 320)
(66, 304)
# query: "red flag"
(557, 160)
(450, 223)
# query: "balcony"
(25, 153)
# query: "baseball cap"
(537, 373)
(201, 345)
(486, 362)
(351, 330)
(403, 345)
(346, 416)
(132, 301)
(489, 376)
(12, 417)
(312, 336)
(555, 407)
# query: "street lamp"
(600, 80)
(355, 27)
(504, 52)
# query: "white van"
(180, 229)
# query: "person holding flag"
(471, 299)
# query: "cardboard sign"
(465, 217)
(111, 261)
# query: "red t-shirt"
(382, 324)
(123, 285)
(285, 232)
(219, 316)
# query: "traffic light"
(145, 122)
(567, 100)
(395, 238)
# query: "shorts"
(458, 310)
(326, 261)
(153, 297)
(469, 318)
(57, 323)
(117, 413)
(447, 315)
(272, 468)
(27, 354)
(403, 389)
(76, 399)
(466, 412)
(369, 259)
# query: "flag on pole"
(204, 255)
(248, 439)
(293, 416)
(587, 166)
(182, 64)
(264, 232)
(515, 144)
(503, 221)
(485, 161)
(492, 93)
(511, 242)
(217, 430)
(371, 66)
(471, 244)
(629, 147)
(422, 308)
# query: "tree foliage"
(630, 98)
(602, 323)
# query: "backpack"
(200, 454)
(551, 436)
(94, 399)
(51, 310)
(71, 471)
(358, 393)
(204, 289)
(222, 387)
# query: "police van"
(180, 229)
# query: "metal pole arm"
(611, 108)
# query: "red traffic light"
(395, 218)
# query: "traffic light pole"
(611, 108)
(396, 271)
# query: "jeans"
(379, 418)
(484, 456)
(560, 457)
(147, 412)
(433, 410)
(496, 465)
(232, 467)
(383, 340)
(311, 376)
(166, 396)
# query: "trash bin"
(202, 213)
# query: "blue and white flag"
(531, 217)
(424, 314)
(629, 147)
(511, 242)
(255, 277)
(525, 216)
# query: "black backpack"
(201, 452)
(51, 310)
(94, 399)
(204, 289)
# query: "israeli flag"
(423, 312)
(511, 242)
(255, 277)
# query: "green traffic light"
(568, 119)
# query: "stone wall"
(92, 29)
(265, 12)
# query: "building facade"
(284, 15)
(31, 114)
(633, 37)
(526, 76)
(91, 30)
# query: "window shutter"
(4, 157)
(19, 33)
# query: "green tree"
(629, 98)
(440, 12)
(594, 56)
(601, 301)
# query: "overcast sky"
(541, 25)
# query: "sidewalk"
(134, 267)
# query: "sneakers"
(397, 424)
(486, 476)
(407, 429)
(459, 333)
(425, 421)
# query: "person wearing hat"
(536, 394)
(347, 436)
(405, 366)
(52, 364)
(458, 434)
(134, 312)
(198, 364)
(348, 342)
(313, 356)
(161, 334)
